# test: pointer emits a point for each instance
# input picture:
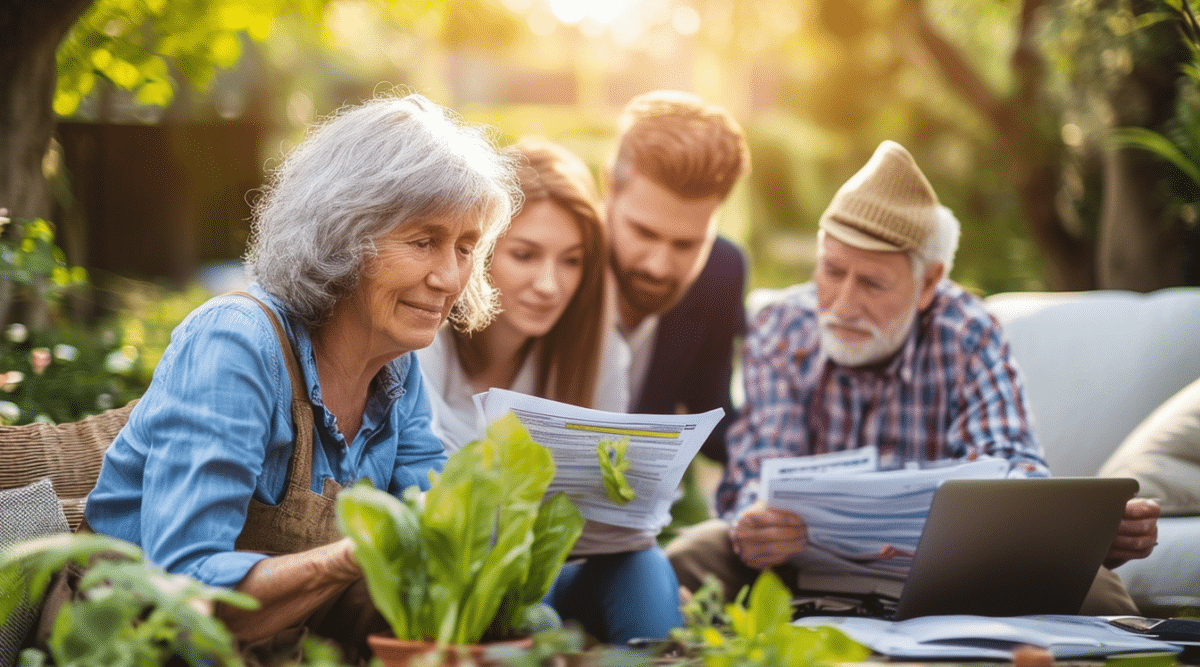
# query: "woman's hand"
(767, 536)
(290, 587)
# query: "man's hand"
(1137, 534)
(766, 536)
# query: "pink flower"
(40, 358)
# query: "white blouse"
(455, 419)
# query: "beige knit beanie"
(888, 205)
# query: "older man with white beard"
(879, 350)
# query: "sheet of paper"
(660, 449)
(863, 459)
(864, 522)
(965, 637)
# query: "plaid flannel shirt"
(952, 392)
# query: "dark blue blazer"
(694, 346)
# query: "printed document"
(965, 637)
(660, 449)
(861, 521)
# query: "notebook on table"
(1011, 547)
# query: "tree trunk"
(32, 30)
(1068, 261)
(1030, 162)
(1140, 248)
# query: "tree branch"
(955, 69)
(1026, 58)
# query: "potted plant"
(128, 610)
(473, 557)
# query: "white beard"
(881, 345)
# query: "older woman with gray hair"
(372, 233)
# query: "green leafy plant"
(613, 464)
(759, 632)
(55, 364)
(478, 552)
(52, 368)
(130, 612)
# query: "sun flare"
(574, 11)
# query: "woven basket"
(69, 454)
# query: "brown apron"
(302, 520)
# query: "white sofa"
(1096, 364)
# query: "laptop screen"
(1010, 547)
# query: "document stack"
(861, 520)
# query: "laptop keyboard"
(824, 603)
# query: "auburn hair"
(682, 143)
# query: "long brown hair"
(568, 361)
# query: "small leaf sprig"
(614, 461)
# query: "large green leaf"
(528, 468)
(1140, 137)
(386, 536)
(770, 603)
(558, 526)
(458, 525)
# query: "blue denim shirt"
(215, 428)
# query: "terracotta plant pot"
(394, 652)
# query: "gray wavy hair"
(366, 170)
(941, 246)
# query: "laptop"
(1011, 547)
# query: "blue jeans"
(617, 597)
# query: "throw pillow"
(1163, 454)
(25, 513)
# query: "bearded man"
(680, 285)
(879, 350)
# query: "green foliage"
(135, 44)
(482, 550)
(64, 374)
(57, 366)
(614, 461)
(51, 367)
(31, 265)
(759, 632)
(130, 612)
(150, 47)
(1179, 143)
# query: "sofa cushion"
(1097, 363)
(1163, 454)
(25, 513)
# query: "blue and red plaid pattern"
(952, 392)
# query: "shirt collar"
(389, 383)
